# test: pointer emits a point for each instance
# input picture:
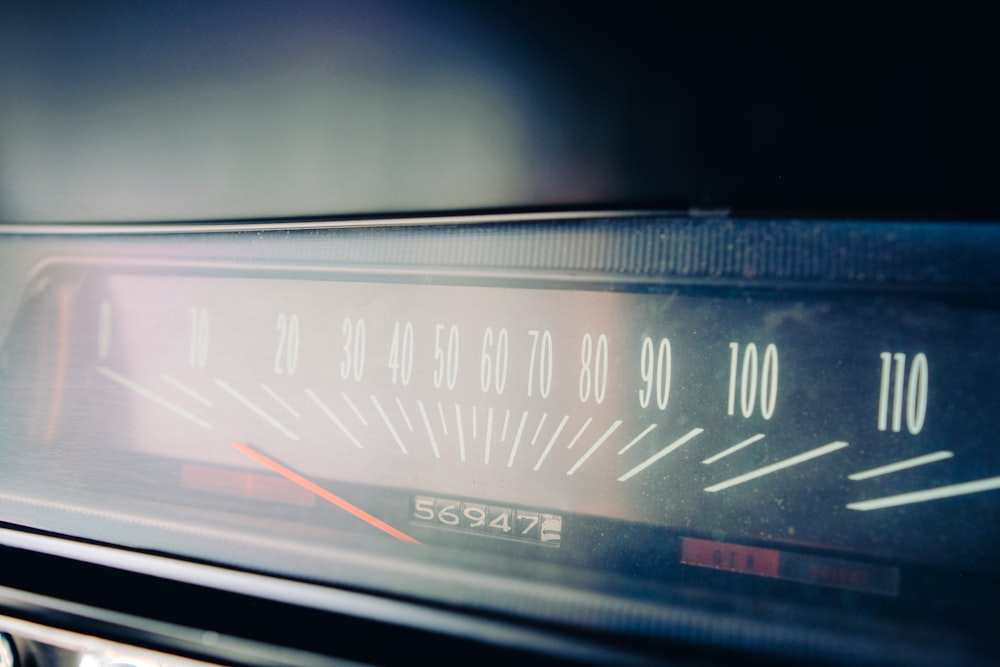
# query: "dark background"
(130, 111)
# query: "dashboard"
(610, 437)
(590, 333)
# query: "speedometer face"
(808, 436)
(664, 408)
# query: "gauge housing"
(670, 431)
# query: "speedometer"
(626, 403)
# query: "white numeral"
(493, 366)
(747, 379)
(353, 363)
(446, 514)
(655, 367)
(286, 357)
(543, 353)
(501, 521)
(475, 515)
(401, 353)
(423, 508)
(532, 521)
(447, 358)
(593, 368)
(915, 392)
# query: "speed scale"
(572, 416)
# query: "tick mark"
(279, 400)
(461, 432)
(187, 390)
(950, 491)
(552, 441)
(489, 435)
(735, 448)
(156, 398)
(901, 465)
(690, 435)
(636, 439)
(406, 417)
(354, 408)
(517, 439)
(392, 429)
(430, 433)
(594, 447)
(333, 418)
(444, 424)
(780, 465)
(256, 409)
(538, 430)
(580, 432)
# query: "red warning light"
(730, 557)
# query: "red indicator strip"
(235, 483)
(804, 568)
(322, 493)
(730, 557)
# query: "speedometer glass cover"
(515, 415)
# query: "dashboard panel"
(262, 402)
(587, 437)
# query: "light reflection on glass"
(265, 111)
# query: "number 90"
(655, 367)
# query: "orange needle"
(322, 493)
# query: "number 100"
(745, 379)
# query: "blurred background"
(138, 111)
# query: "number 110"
(894, 384)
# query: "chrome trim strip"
(96, 650)
(71, 229)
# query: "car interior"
(570, 333)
